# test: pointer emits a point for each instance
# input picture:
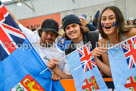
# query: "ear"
(40, 32)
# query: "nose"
(107, 21)
(49, 35)
(71, 29)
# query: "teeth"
(107, 27)
(72, 34)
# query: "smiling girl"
(113, 30)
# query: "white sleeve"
(31, 36)
(66, 68)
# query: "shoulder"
(102, 42)
(70, 49)
(131, 33)
(93, 34)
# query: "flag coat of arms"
(131, 83)
(123, 64)
(20, 67)
(85, 71)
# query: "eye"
(53, 34)
(104, 18)
(111, 18)
(74, 25)
(67, 28)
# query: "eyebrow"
(109, 16)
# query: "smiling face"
(108, 22)
(47, 38)
(73, 32)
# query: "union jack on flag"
(129, 49)
(10, 35)
(86, 59)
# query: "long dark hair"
(120, 22)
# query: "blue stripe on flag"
(3, 53)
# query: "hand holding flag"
(53, 63)
(99, 51)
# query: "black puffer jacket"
(91, 36)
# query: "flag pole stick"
(48, 67)
(83, 64)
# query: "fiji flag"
(87, 77)
(123, 65)
(20, 67)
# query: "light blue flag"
(123, 65)
(87, 77)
